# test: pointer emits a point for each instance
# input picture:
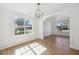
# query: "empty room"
(39, 29)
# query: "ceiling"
(47, 8)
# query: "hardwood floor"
(56, 45)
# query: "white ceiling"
(47, 8)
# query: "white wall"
(7, 37)
(1, 27)
(54, 29)
(47, 28)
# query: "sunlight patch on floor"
(32, 49)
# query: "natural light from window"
(32, 49)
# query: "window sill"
(23, 35)
(62, 30)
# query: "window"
(62, 26)
(23, 26)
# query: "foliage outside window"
(23, 26)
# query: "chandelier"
(38, 12)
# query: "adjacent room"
(39, 29)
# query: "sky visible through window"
(29, 21)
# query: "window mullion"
(24, 26)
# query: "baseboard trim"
(61, 35)
(74, 48)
